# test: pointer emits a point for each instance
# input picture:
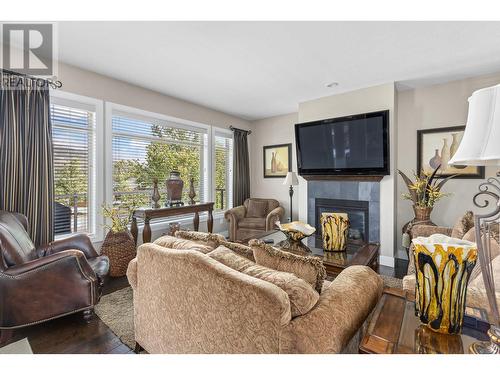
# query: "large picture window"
(223, 195)
(146, 148)
(74, 146)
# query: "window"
(223, 146)
(74, 145)
(144, 148)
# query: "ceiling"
(255, 70)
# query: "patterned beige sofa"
(187, 302)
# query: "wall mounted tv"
(344, 146)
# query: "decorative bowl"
(296, 230)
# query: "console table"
(148, 214)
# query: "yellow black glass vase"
(442, 267)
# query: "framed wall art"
(437, 146)
(277, 160)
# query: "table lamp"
(291, 180)
(480, 146)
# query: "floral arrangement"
(425, 190)
(120, 216)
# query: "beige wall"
(84, 82)
(273, 130)
(435, 107)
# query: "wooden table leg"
(196, 221)
(210, 223)
(134, 230)
(146, 231)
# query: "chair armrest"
(235, 213)
(79, 242)
(339, 313)
(274, 216)
(46, 288)
(233, 216)
(132, 273)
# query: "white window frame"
(111, 108)
(96, 196)
(229, 133)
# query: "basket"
(120, 248)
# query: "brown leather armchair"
(44, 283)
(253, 218)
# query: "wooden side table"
(148, 214)
(394, 329)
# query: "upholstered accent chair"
(40, 284)
(254, 217)
(186, 301)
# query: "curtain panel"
(26, 165)
(241, 167)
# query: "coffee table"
(394, 329)
(366, 254)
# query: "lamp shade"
(291, 179)
(480, 144)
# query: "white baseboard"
(386, 261)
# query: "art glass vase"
(335, 231)
(442, 267)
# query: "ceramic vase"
(192, 192)
(335, 231)
(445, 155)
(442, 267)
(174, 188)
(155, 197)
(435, 160)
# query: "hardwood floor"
(72, 335)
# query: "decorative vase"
(295, 232)
(335, 231)
(445, 155)
(120, 248)
(454, 146)
(192, 192)
(155, 197)
(442, 267)
(435, 160)
(422, 217)
(174, 189)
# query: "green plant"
(120, 216)
(425, 191)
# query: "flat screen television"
(345, 146)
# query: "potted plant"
(119, 245)
(424, 192)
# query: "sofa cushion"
(301, 295)
(252, 223)
(463, 225)
(494, 249)
(209, 239)
(182, 244)
(240, 249)
(308, 268)
(257, 208)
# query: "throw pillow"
(240, 249)
(209, 239)
(180, 243)
(463, 225)
(257, 208)
(301, 295)
(308, 268)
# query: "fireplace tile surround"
(347, 190)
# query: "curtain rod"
(243, 130)
(54, 84)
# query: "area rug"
(116, 310)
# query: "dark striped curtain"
(26, 167)
(241, 167)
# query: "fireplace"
(356, 210)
